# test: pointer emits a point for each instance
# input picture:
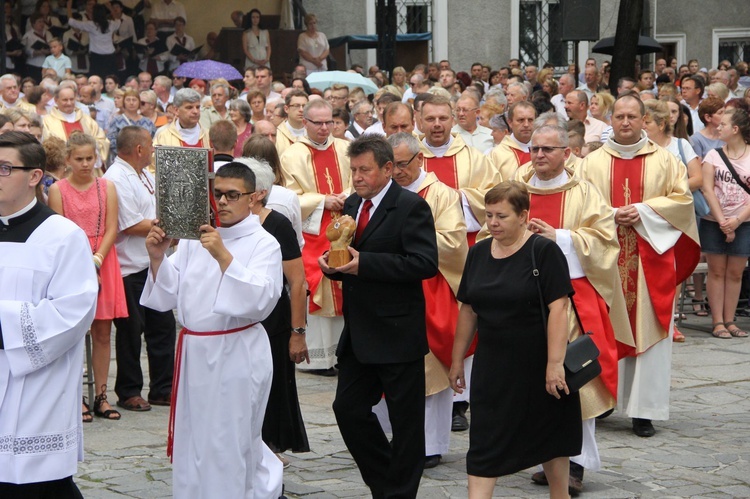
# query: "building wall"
(479, 31)
(339, 18)
(697, 20)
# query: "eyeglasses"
(545, 149)
(329, 124)
(6, 169)
(401, 165)
(231, 195)
(144, 103)
(460, 110)
(333, 97)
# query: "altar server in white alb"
(48, 294)
(223, 286)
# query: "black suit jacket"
(384, 311)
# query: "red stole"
(444, 168)
(72, 127)
(197, 144)
(626, 187)
(522, 157)
(592, 309)
(327, 174)
(441, 315)
(447, 172)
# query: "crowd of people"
(491, 208)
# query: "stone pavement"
(703, 451)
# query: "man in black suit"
(384, 340)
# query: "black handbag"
(581, 355)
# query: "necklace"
(513, 247)
(738, 157)
(149, 186)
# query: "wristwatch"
(299, 330)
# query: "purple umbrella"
(208, 70)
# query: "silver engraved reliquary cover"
(182, 190)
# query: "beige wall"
(212, 15)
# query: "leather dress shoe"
(643, 427)
(135, 403)
(539, 478)
(432, 461)
(163, 400)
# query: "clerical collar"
(8, 104)
(319, 145)
(69, 117)
(25, 209)
(522, 145)
(438, 151)
(189, 135)
(628, 151)
(297, 132)
(551, 183)
(414, 186)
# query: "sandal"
(677, 336)
(736, 332)
(699, 308)
(721, 333)
(86, 416)
(100, 399)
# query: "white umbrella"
(324, 79)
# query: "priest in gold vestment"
(467, 170)
(647, 189)
(65, 119)
(316, 167)
(441, 307)
(573, 213)
(513, 151)
(185, 130)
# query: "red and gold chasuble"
(522, 157)
(325, 165)
(592, 309)
(447, 172)
(441, 314)
(627, 178)
(72, 127)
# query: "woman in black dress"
(283, 427)
(522, 413)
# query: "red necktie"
(364, 217)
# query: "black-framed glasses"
(230, 195)
(403, 164)
(329, 124)
(545, 149)
(6, 169)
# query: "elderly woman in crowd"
(725, 233)
(257, 101)
(240, 114)
(129, 116)
(522, 413)
(150, 109)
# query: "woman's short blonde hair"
(658, 110)
(310, 17)
(606, 102)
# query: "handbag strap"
(732, 170)
(682, 152)
(537, 279)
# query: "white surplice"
(48, 292)
(225, 379)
